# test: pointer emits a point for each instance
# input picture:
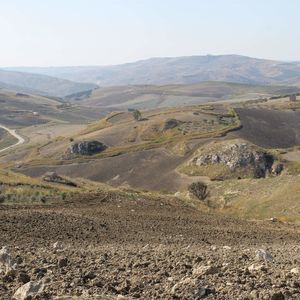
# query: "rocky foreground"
(106, 246)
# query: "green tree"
(137, 115)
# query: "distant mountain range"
(181, 70)
(41, 84)
(64, 81)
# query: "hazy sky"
(101, 32)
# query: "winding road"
(13, 132)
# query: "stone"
(257, 267)
(87, 147)
(182, 283)
(265, 255)
(237, 155)
(63, 262)
(226, 247)
(213, 248)
(23, 277)
(273, 220)
(295, 270)
(6, 260)
(277, 169)
(121, 297)
(58, 246)
(277, 296)
(205, 270)
(27, 290)
(254, 294)
(201, 293)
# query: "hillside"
(112, 246)
(41, 84)
(19, 110)
(150, 96)
(119, 237)
(182, 70)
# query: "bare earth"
(270, 128)
(134, 169)
(146, 248)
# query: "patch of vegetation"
(137, 115)
(215, 171)
(17, 188)
(293, 168)
(198, 189)
(180, 148)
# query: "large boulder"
(87, 147)
(236, 155)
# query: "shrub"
(199, 190)
(2, 198)
(137, 115)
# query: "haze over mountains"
(63, 81)
(41, 84)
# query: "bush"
(199, 190)
(2, 198)
(137, 115)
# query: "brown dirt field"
(270, 128)
(136, 169)
(144, 248)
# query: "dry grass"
(258, 198)
(16, 188)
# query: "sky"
(105, 32)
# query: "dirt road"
(14, 133)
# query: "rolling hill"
(150, 96)
(182, 70)
(41, 84)
(19, 110)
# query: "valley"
(152, 191)
(164, 142)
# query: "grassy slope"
(16, 188)
(258, 198)
(160, 139)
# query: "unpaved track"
(14, 133)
